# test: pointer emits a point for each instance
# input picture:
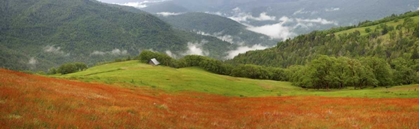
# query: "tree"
(367, 30)
(403, 74)
(321, 74)
(380, 69)
(146, 55)
(299, 76)
(70, 68)
(341, 72)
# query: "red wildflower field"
(31, 101)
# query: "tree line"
(327, 72)
(215, 66)
(324, 72)
(68, 68)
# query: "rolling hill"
(136, 74)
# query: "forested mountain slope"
(218, 26)
(393, 37)
(39, 34)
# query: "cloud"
(165, 14)
(135, 4)
(55, 50)
(317, 20)
(243, 49)
(264, 17)
(118, 52)
(169, 53)
(237, 9)
(196, 49)
(281, 31)
(114, 52)
(275, 31)
(98, 53)
(218, 35)
(216, 13)
(226, 38)
(32, 61)
(240, 16)
(301, 11)
(142, 4)
(332, 9)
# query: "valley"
(248, 64)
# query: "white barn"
(153, 61)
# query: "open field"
(364, 33)
(134, 74)
(31, 101)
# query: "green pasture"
(134, 74)
(364, 33)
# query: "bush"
(68, 68)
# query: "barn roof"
(154, 61)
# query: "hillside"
(136, 74)
(53, 32)
(393, 37)
(31, 101)
(218, 26)
(38, 35)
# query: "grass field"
(363, 32)
(134, 74)
(32, 101)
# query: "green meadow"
(363, 32)
(133, 74)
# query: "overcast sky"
(123, 1)
(119, 1)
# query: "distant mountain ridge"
(218, 26)
(304, 15)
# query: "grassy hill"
(135, 74)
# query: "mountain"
(393, 38)
(81, 30)
(284, 19)
(40, 34)
(218, 26)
